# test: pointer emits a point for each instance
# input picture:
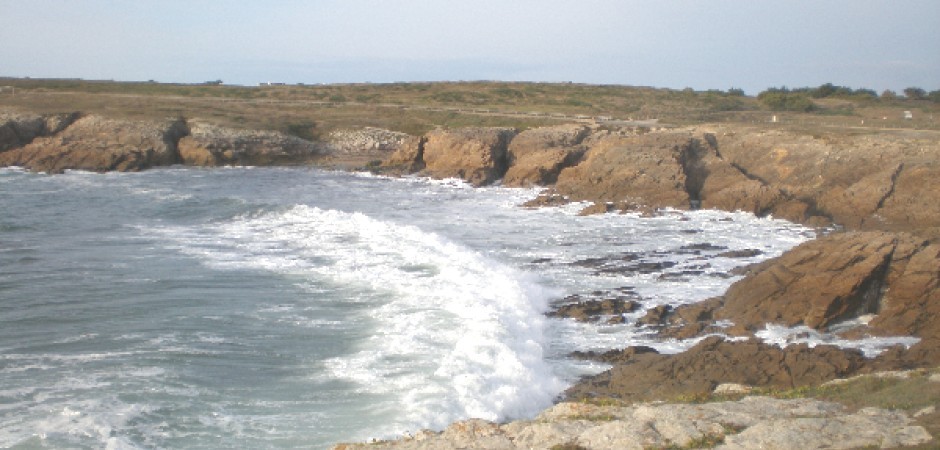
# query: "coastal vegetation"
(311, 110)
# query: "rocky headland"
(875, 270)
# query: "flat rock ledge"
(749, 423)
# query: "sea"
(297, 307)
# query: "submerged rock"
(594, 309)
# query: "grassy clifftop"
(310, 110)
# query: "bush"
(934, 96)
(781, 99)
(915, 93)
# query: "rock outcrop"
(867, 182)
(17, 130)
(210, 145)
(98, 144)
(749, 423)
(630, 170)
(895, 277)
(475, 155)
(535, 157)
(369, 141)
(647, 376)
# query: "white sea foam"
(870, 346)
(455, 334)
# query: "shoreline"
(886, 264)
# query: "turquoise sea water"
(296, 308)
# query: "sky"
(701, 44)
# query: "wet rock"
(715, 361)
(475, 155)
(613, 356)
(656, 315)
(593, 309)
(684, 321)
(624, 263)
(746, 253)
(697, 249)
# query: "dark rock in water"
(617, 320)
(613, 356)
(655, 315)
(626, 263)
(606, 260)
(695, 249)
(541, 260)
(644, 376)
(747, 253)
(680, 276)
(594, 309)
(684, 321)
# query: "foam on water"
(454, 334)
(870, 346)
(289, 307)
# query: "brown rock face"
(535, 157)
(408, 157)
(17, 130)
(476, 155)
(209, 145)
(98, 144)
(867, 182)
(843, 276)
(649, 376)
(642, 170)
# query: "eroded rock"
(211, 145)
(99, 144)
(537, 156)
(475, 155)
(697, 371)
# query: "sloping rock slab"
(753, 422)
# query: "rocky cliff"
(93, 143)
(56, 142)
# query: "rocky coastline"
(877, 275)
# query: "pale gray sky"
(703, 44)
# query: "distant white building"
(908, 115)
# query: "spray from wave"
(452, 334)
